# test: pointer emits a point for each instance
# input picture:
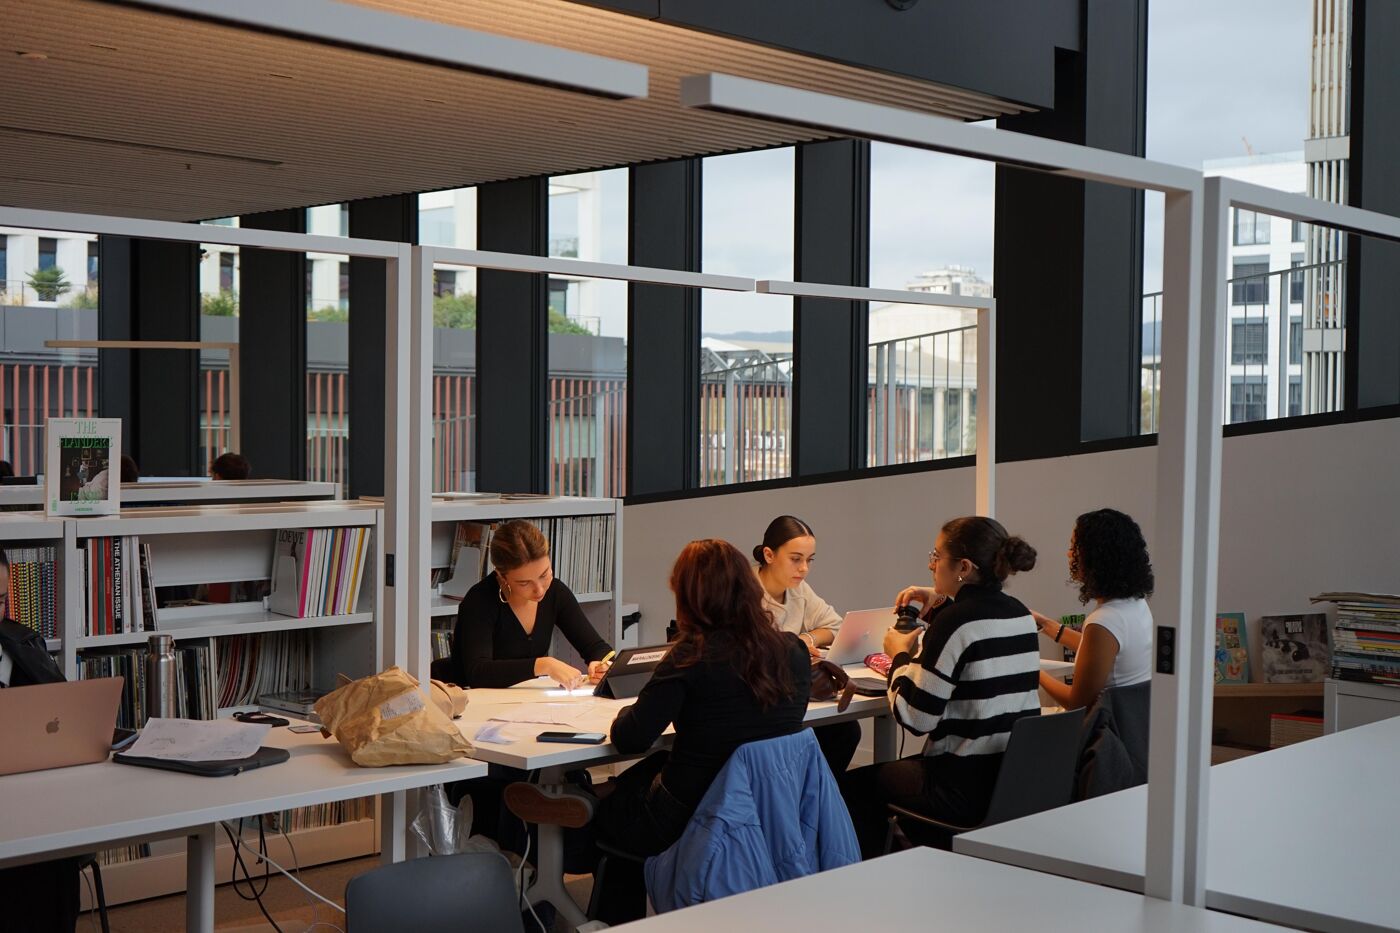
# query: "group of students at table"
(747, 634)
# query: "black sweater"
(714, 711)
(490, 647)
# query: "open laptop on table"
(57, 725)
(862, 633)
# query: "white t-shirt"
(1130, 622)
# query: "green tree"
(453, 310)
(49, 283)
(224, 304)
(559, 324)
(85, 300)
(329, 314)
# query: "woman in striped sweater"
(962, 682)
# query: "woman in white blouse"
(784, 559)
(1108, 559)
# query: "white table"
(925, 889)
(552, 759)
(1307, 835)
(47, 814)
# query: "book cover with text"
(82, 466)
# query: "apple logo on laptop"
(52, 726)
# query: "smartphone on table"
(573, 738)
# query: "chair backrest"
(470, 891)
(1037, 771)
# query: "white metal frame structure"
(234, 367)
(986, 309)
(1188, 449)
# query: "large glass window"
(1251, 229)
(746, 362)
(218, 322)
(327, 351)
(448, 218)
(931, 231)
(588, 337)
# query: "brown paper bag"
(385, 719)
(450, 698)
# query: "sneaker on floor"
(535, 804)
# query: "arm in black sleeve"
(569, 618)
(473, 647)
(637, 727)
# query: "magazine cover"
(1231, 654)
(82, 466)
(1294, 648)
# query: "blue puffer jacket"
(774, 813)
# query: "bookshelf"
(1241, 724)
(216, 544)
(602, 607)
(188, 492)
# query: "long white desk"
(47, 814)
(925, 889)
(1307, 835)
(553, 759)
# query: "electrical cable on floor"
(294, 881)
(238, 863)
(296, 870)
(92, 900)
(521, 884)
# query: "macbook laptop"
(862, 633)
(57, 725)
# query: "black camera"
(907, 617)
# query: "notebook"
(57, 725)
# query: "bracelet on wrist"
(1058, 632)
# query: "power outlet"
(1166, 649)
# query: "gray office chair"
(1037, 774)
(442, 894)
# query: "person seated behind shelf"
(6, 469)
(730, 678)
(784, 559)
(229, 465)
(1108, 559)
(962, 682)
(506, 622)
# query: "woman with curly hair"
(1108, 559)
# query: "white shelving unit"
(223, 544)
(603, 608)
(191, 491)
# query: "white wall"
(1302, 511)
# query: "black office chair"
(442, 894)
(1037, 774)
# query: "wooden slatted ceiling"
(145, 115)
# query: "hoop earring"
(501, 594)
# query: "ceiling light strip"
(341, 24)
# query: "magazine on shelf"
(1293, 648)
(1231, 651)
(82, 466)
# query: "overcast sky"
(1218, 74)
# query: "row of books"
(1288, 728)
(580, 548)
(1293, 649)
(194, 677)
(1365, 637)
(319, 815)
(318, 571)
(250, 666)
(442, 643)
(34, 589)
(118, 592)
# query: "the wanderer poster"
(82, 466)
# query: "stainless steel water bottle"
(160, 678)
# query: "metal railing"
(587, 436)
(22, 292)
(1279, 359)
(745, 416)
(922, 397)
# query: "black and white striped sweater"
(974, 673)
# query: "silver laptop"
(57, 725)
(862, 633)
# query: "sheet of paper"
(198, 739)
(554, 714)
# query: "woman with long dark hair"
(729, 678)
(1108, 559)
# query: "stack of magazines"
(1365, 637)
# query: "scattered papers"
(198, 740)
(553, 714)
(491, 732)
